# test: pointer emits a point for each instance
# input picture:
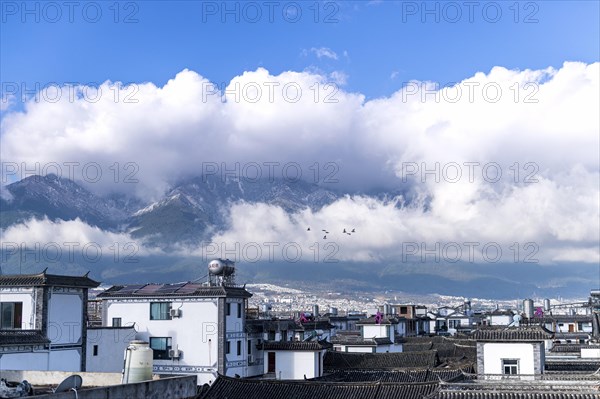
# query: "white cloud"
(543, 124)
(325, 52)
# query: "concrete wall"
(167, 388)
(56, 377)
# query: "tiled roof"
(529, 333)
(295, 345)
(572, 365)
(568, 348)
(342, 360)
(173, 290)
(357, 340)
(22, 337)
(238, 388)
(46, 280)
(406, 375)
(417, 346)
(516, 389)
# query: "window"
(510, 366)
(116, 322)
(403, 310)
(160, 311)
(228, 309)
(227, 347)
(95, 350)
(249, 347)
(239, 306)
(239, 348)
(271, 335)
(11, 314)
(161, 347)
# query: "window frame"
(166, 315)
(16, 315)
(511, 365)
(156, 352)
(117, 322)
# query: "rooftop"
(528, 333)
(295, 345)
(393, 360)
(22, 337)
(44, 279)
(238, 388)
(187, 289)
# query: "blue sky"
(379, 45)
(371, 132)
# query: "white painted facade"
(500, 319)
(57, 314)
(106, 348)
(295, 365)
(378, 331)
(194, 334)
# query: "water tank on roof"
(138, 362)
(221, 267)
(546, 305)
(315, 310)
(387, 310)
(333, 311)
(528, 308)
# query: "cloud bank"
(504, 157)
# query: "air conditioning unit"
(175, 312)
(175, 353)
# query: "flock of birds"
(327, 232)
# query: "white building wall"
(500, 320)
(378, 331)
(25, 361)
(65, 313)
(290, 365)
(194, 333)
(111, 345)
(65, 360)
(493, 353)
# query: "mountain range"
(196, 208)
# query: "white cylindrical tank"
(315, 310)
(546, 305)
(221, 267)
(138, 362)
(333, 311)
(528, 308)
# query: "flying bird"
(324, 237)
(344, 230)
(353, 231)
(308, 229)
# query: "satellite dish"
(72, 382)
